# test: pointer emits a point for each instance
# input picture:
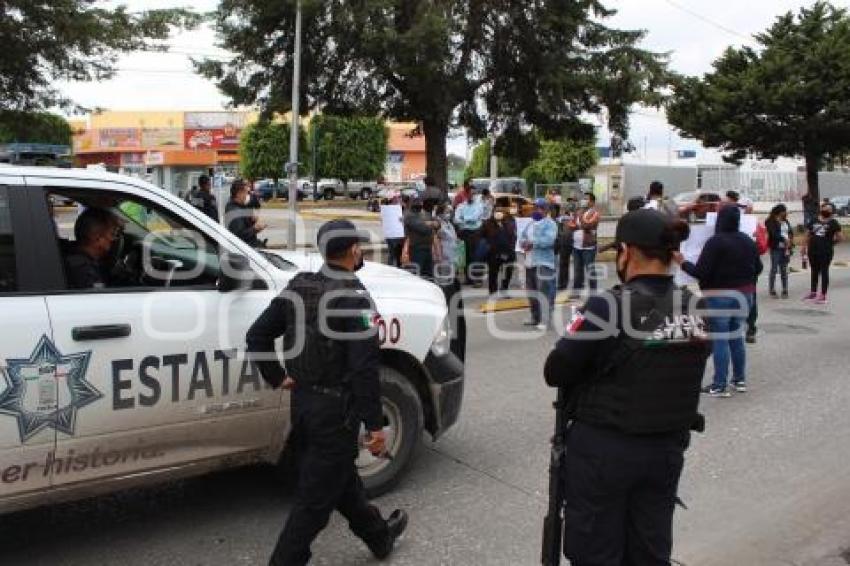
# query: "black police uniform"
(632, 403)
(84, 272)
(205, 202)
(336, 388)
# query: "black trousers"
(494, 268)
(564, 268)
(819, 268)
(327, 480)
(621, 492)
(470, 238)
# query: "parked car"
(694, 205)
(267, 189)
(841, 205)
(516, 205)
(508, 185)
(111, 387)
(329, 189)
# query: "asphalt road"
(767, 484)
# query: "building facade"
(172, 149)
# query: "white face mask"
(584, 203)
(247, 200)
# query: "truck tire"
(403, 422)
(366, 193)
(328, 193)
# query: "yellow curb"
(361, 216)
(516, 303)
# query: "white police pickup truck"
(112, 387)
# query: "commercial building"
(171, 149)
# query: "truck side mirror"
(236, 274)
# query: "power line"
(708, 20)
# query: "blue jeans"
(584, 267)
(733, 344)
(778, 264)
(541, 279)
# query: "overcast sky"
(695, 32)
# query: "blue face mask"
(537, 216)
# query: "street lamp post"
(293, 133)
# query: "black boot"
(396, 524)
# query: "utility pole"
(494, 160)
(292, 166)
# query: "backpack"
(762, 243)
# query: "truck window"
(8, 269)
(152, 247)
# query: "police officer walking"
(631, 367)
(325, 319)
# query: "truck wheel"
(403, 423)
(366, 194)
(329, 194)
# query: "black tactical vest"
(321, 360)
(650, 382)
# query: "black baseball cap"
(645, 228)
(336, 236)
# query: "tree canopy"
(350, 148)
(264, 150)
(34, 127)
(484, 65)
(790, 96)
(73, 40)
(561, 161)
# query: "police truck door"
(166, 348)
(29, 361)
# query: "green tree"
(34, 127)
(73, 40)
(264, 150)
(485, 65)
(350, 148)
(790, 96)
(561, 161)
(479, 164)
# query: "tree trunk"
(812, 170)
(435, 151)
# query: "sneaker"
(541, 326)
(784, 294)
(396, 524)
(820, 299)
(530, 323)
(750, 339)
(809, 297)
(712, 391)
(740, 386)
(774, 295)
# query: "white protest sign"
(521, 225)
(691, 249)
(391, 221)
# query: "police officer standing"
(203, 199)
(326, 321)
(631, 365)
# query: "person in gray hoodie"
(727, 270)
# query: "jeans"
(541, 279)
(778, 264)
(585, 267)
(753, 316)
(732, 344)
(470, 241)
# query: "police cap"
(650, 229)
(336, 236)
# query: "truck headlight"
(443, 340)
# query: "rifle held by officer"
(553, 524)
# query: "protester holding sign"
(726, 270)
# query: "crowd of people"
(469, 239)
